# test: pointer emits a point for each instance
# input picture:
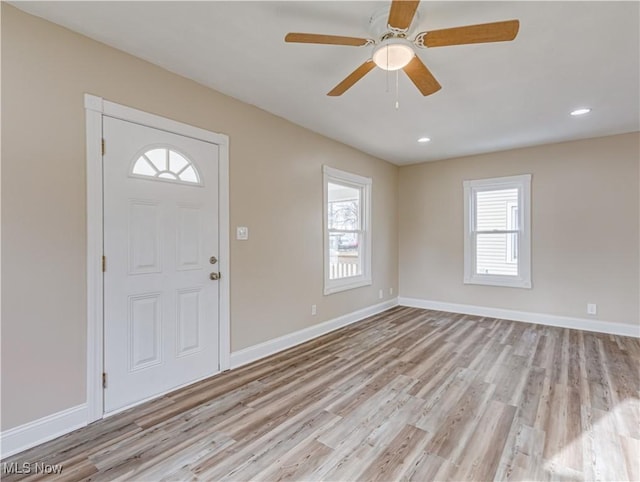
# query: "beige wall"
(585, 208)
(276, 190)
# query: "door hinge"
(104, 380)
(104, 264)
(103, 147)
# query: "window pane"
(344, 207)
(167, 175)
(512, 239)
(189, 175)
(176, 162)
(344, 255)
(143, 168)
(495, 209)
(159, 158)
(497, 254)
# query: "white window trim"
(523, 183)
(330, 174)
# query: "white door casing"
(157, 280)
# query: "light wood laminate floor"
(408, 394)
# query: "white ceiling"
(494, 96)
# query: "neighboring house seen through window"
(497, 244)
(347, 233)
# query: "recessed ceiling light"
(424, 139)
(583, 111)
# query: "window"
(512, 224)
(497, 242)
(165, 164)
(347, 230)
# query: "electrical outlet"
(592, 309)
(380, 294)
(314, 310)
(390, 291)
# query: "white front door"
(161, 324)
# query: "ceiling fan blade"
(313, 38)
(402, 12)
(472, 34)
(352, 78)
(422, 77)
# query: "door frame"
(95, 109)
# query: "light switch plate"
(242, 233)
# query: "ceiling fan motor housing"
(379, 24)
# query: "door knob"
(214, 276)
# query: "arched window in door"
(166, 164)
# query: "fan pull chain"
(387, 76)
(397, 90)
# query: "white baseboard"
(262, 350)
(42, 430)
(599, 326)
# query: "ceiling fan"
(393, 51)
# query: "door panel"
(145, 336)
(189, 250)
(160, 229)
(189, 316)
(144, 237)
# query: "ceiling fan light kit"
(394, 52)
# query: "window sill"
(498, 281)
(345, 285)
